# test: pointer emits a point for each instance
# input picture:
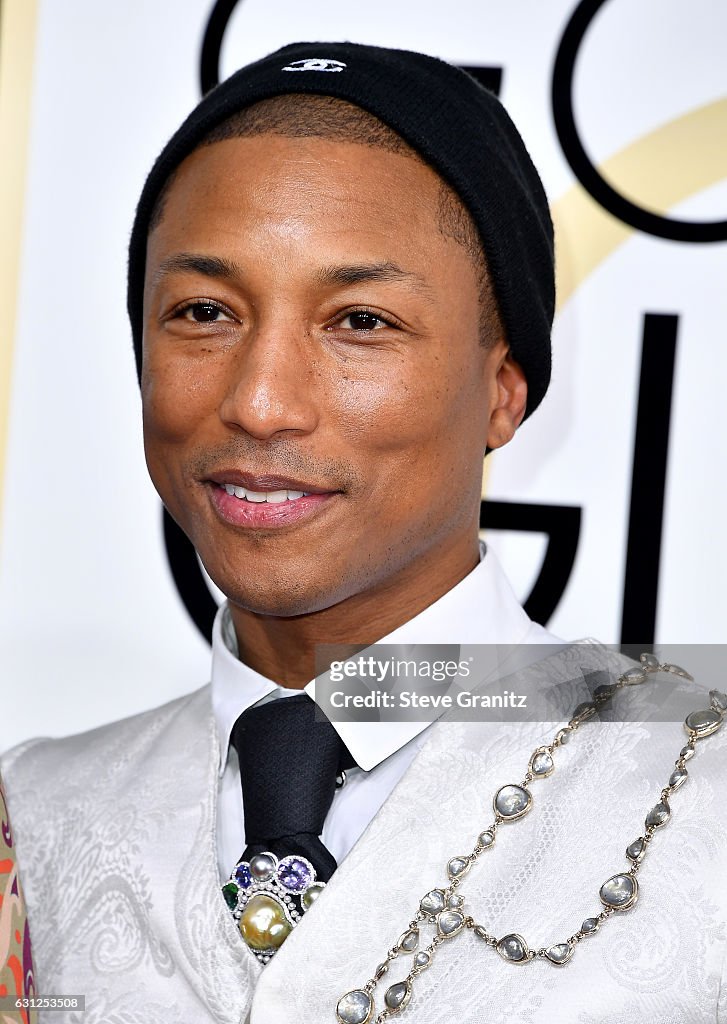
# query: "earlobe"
(510, 402)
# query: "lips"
(243, 500)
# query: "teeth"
(272, 497)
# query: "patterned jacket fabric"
(16, 959)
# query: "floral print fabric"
(16, 962)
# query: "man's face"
(308, 328)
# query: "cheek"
(176, 397)
(417, 432)
(376, 412)
(414, 407)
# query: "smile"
(243, 507)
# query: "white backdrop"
(91, 625)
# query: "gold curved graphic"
(653, 166)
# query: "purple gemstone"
(243, 876)
(295, 874)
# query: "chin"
(279, 598)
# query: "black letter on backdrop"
(585, 171)
(187, 575)
(648, 481)
(562, 524)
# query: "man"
(341, 292)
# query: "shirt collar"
(480, 609)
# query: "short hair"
(327, 117)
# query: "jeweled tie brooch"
(268, 897)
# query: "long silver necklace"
(444, 908)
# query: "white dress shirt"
(480, 609)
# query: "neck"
(284, 648)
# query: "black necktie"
(289, 760)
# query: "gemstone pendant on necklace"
(514, 949)
(449, 923)
(409, 941)
(560, 953)
(355, 1007)
(541, 763)
(703, 723)
(620, 892)
(512, 802)
(636, 850)
(659, 815)
(433, 902)
(458, 867)
(397, 996)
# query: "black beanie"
(460, 128)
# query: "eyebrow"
(363, 272)
(195, 263)
(342, 275)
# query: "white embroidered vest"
(115, 834)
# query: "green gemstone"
(230, 892)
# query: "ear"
(510, 400)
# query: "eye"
(362, 320)
(202, 313)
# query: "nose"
(271, 386)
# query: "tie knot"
(289, 758)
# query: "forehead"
(271, 178)
(284, 210)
